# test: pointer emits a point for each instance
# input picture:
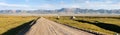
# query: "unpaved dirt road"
(46, 27)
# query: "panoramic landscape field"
(99, 25)
(59, 17)
(103, 25)
(9, 22)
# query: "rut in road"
(46, 27)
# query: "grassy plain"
(88, 26)
(86, 23)
(9, 22)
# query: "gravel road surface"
(46, 27)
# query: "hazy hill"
(62, 11)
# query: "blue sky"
(57, 4)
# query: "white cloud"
(12, 5)
(4, 5)
(86, 4)
(46, 6)
(100, 5)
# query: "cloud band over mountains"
(57, 4)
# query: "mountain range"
(62, 11)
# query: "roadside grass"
(105, 20)
(9, 22)
(87, 26)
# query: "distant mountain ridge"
(62, 11)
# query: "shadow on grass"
(26, 26)
(106, 26)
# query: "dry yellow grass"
(105, 20)
(68, 21)
(9, 22)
